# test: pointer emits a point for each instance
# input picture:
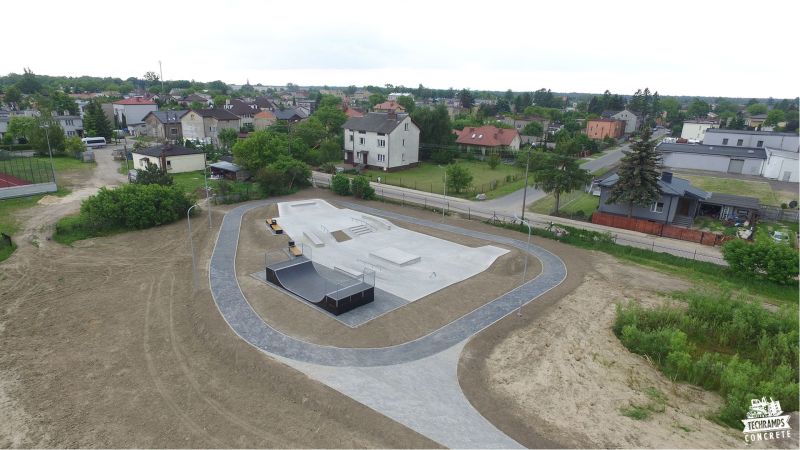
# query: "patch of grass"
(602, 171)
(6, 250)
(636, 412)
(8, 224)
(191, 182)
(570, 204)
(764, 232)
(759, 189)
(64, 162)
(657, 404)
(429, 177)
(72, 228)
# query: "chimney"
(666, 177)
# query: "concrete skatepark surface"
(407, 264)
(415, 401)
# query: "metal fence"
(446, 207)
(767, 212)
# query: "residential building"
(228, 171)
(602, 128)
(263, 119)
(244, 110)
(290, 115)
(397, 95)
(174, 158)
(632, 120)
(203, 99)
(789, 142)
(387, 141)
(72, 125)
(165, 125)
(489, 138)
(204, 125)
(714, 158)
(522, 122)
(351, 112)
(265, 103)
(307, 104)
(678, 199)
(390, 105)
(695, 130)
(129, 113)
(755, 121)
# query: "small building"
(244, 110)
(228, 171)
(175, 158)
(488, 139)
(397, 95)
(263, 119)
(387, 141)
(729, 207)
(789, 142)
(755, 121)
(72, 125)
(391, 105)
(695, 130)
(781, 165)
(714, 158)
(600, 129)
(678, 203)
(130, 112)
(204, 125)
(165, 125)
(520, 123)
(290, 115)
(632, 120)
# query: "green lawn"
(570, 204)
(759, 189)
(429, 177)
(65, 163)
(190, 182)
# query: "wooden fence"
(659, 229)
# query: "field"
(429, 177)
(758, 189)
(570, 204)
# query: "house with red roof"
(388, 106)
(489, 138)
(130, 113)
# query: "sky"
(711, 48)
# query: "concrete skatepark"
(414, 383)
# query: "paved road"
(416, 382)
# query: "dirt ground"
(409, 322)
(566, 376)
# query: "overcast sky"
(701, 47)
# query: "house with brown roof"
(246, 111)
(165, 125)
(602, 128)
(204, 125)
(263, 119)
(389, 106)
(488, 139)
(350, 112)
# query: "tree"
(152, 174)
(775, 117)
(95, 122)
(13, 96)
(458, 177)
(29, 84)
(764, 259)
(522, 101)
(638, 175)
(47, 136)
(151, 77)
(340, 184)
(74, 146)
(698, 108)
(544, 98)
(434, 125)
(21, 127)
(331, 117)
(757, 108)
(362, 189)
(407, 102)
(533, 129)
(260, 149)
(310, 131)
(466, 98)
(374, 99)
(493, 160)
(559, 171)
(227, 137)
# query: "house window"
(406, 126)
(69, 122)
(351, 138)
(657, 207)
(173, 131)
(739, 142)
(70, 133)
(381, 158)
(760, 144)
(404, 142)
(361, 140)
(169, 164)
(381, 142)
(403, 157)
(725, 141)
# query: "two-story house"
(632, 120)
(602, 128)
(129, 113)
(72, 125)
(165, 125)
(387, 141)
(245, 110)
(204, 125)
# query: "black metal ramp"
(300, 277)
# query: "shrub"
(443, 156)
(340, 184)
(778, 263)
(493, 161)
(134, 206)
(362, 189)
(152, 174)
(458, 177)
(328, 167)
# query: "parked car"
(779, 237)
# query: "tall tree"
(559, 171)
(13, 96)
(434, 125)
(95, 122)
(698, 108)
(407, 102)
(638, 175)
(466, 98)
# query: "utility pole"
(161, 75)
(525, 189)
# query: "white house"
(387, 141)
(397, 95)
(789, 142)
(696, 129)
(176, 158)
(714, 158)
(631, 119)
(130, 112)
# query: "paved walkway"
(415, 382)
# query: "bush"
(493, 161)
(134, 206)
(458, 177)
(152, 174)
(328, 167)
(340, 184)
(362, 189)
(768, 260)
(443, 156)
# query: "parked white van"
(94, 142)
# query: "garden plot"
(407, 264)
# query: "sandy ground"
(106, 345)
(416, 319)
(565, 375)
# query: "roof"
(391, 104)
(375, 122)
(264, 115)
(733, 200)
(226, 166)
(168, 150)
(760, 133)
(608, 113)
(264, 102)
(219, 114)
(134, 101)
(604, 120)
(350, 112)
(487, 136)
(721, 150)
(287, 114)
(678, 187)
(166, 117)
(758, 116)
(195, 98)
(241, 108)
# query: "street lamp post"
(527, 250)
(444, 195)
(525, 189)
(191, 245)
(205, 180)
